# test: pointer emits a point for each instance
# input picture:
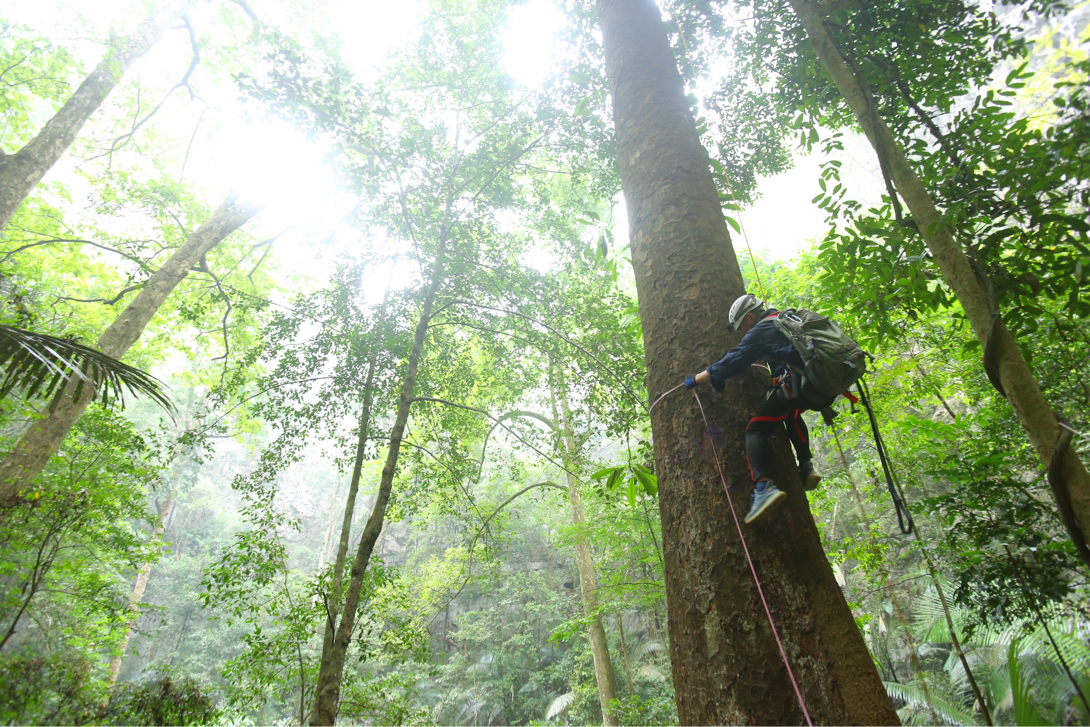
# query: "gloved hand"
(690, 383)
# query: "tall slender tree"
(584, 559)
(1067, 474)
(20, 172)
(724, 655)
(27, 458)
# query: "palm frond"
(42, 366)
(1025, 712)
(646, 648)
(944, 707)
(559, 704)
(651, 674)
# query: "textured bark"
(138, 587)
(1072, 491)
(588, 581)
(328, 690)
(21, 172)
(44, 436)
(726, 666)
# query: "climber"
(784, 402)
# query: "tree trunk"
(725, 662)
(138, 587)
(588, 582)
(624, 650)
(334, 604)
(1072, 487)
(328, 690)
(21, 172)
(44, 436)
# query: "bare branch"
(500, 423)
(52, 240)
(560, 335)
(122, 140)
(105, 301)
(480, 530)
(189, 148)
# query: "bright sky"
(275, 162)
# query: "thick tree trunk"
(21, 172)
(726, 666)
(138, 588)
(1072, 487)
(328, 690)
(44, 436)
(588, 582)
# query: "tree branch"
(100, 246)
(495, 512)
(506, 428)
(105, 301)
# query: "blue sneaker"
(765, 502)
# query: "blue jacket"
(763, 340)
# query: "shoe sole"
(812, 482)
(770, 504)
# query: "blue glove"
(690, 383)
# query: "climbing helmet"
(744, 304)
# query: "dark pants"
(777, 412)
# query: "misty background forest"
(330, 332)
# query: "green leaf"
(614, 478)
(649, 481)
(733, 223)
(1074, 222)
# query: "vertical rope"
(888, 586)
(752, 569)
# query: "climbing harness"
(904, 517)
(752, 568)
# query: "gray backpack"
(832, 360)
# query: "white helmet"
(744, 304)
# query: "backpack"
(832, 360)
